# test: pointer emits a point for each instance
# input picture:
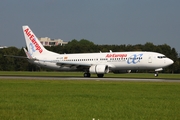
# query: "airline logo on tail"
(33, 40)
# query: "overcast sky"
(100, 21)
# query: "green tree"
(8, 63)
(149, 47)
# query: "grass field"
(85, 100)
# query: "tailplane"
(35, 48)
(28, 56)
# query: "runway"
(82, 78)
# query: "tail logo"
(32, 49)
(33, 40)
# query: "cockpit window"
(161, 57)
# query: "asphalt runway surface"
(91, 78)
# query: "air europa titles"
(32, 38)
(116, 55)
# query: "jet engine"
(99, 69)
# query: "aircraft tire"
(156, 74)
(87, 75)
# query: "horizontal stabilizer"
(16, 56)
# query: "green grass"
(80, 74)
(84, 100)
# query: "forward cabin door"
(150, 59)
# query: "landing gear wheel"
(87, 75)
(100, 75)
(156, 74)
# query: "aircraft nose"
(170, 62)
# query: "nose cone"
(170, 62)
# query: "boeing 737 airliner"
(92, 63)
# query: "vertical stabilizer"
(35, 48)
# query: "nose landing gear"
(156, 74)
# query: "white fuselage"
(114, 60)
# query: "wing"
(73, 64)
(69, 64)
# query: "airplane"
(92, 63)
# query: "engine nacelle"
(99, 69)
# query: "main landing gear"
(89, 75)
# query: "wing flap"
(72, 64)
(68, 64)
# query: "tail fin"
(34, 46)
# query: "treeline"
(84, 46)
